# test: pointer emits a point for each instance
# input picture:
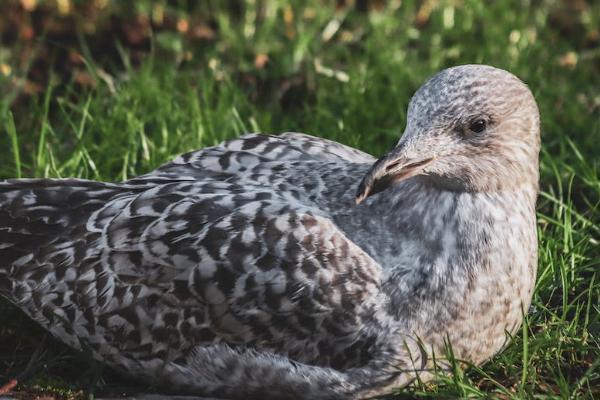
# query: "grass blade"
(14, 141)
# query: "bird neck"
(430, 241)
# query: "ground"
(108, 90)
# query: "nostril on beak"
(392, 166)
(419, 163)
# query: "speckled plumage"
(247, 269)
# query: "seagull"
(294, 267)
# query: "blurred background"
(288, 57)
(107, 89)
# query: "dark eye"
(478, 125)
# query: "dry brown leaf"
(260, 61)
(183, 25)
(8, 387)
(203, 31)
(84, 78)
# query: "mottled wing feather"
(35, 213)
(246, 267)
(251, 155)
(44, 242)
(294, 145)
(326, 150)
(143, 273)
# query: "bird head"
(470, 128)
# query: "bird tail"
(227, 372)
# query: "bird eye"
(478, 125)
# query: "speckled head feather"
(246, 270)
(471, 127)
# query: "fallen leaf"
(29, 5)
(84, 78)
(183, 25)
(7, 388)
(203, 32)
(568, 60)
(5, 69)
(260, 61)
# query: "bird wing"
(253, 153)
(138, 272)
(325, 149)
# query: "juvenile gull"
(256, 269)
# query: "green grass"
(348, 76)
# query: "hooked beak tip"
(359, 198)
(381, 176)
(364, 190)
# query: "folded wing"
(141, 272)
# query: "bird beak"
(394, 167)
